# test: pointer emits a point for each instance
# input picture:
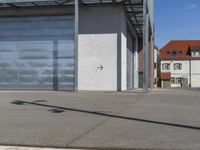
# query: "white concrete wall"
(123, 50)
(102, 41)
(123, 62)
(96, 53)
(135, 59)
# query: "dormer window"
(195, 53)
(174, 53)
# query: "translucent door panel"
(37, 52)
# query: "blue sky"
(176, 20)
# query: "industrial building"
(180, 61)
(76, 44)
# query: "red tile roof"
(165, 75)
(195, 47)
(182, 48)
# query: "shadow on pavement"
(58, 109)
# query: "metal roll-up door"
(37, 53)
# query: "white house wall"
(185, 72)
(195, 67)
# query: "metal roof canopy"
(134, 8)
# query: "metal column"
(76, 23)
(190, 73)
(145, 47)
(152, 60)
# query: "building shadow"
(58, 109)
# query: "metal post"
(152, 60)
(145, 46)
(76, 28)
(190, 74)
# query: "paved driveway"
(164, 118)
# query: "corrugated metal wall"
(37, 53)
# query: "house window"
(192, 53)
(155, 65)
(173, 53)
(177, 66)
(172, 80)
(175, 80)
(197, 53)
(166, 66)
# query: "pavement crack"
(87, 132)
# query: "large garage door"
(37, 53)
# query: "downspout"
(190, 74)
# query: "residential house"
(180, 61)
